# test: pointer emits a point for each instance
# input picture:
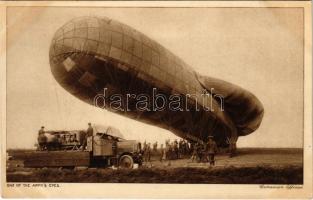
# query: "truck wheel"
(126, 162)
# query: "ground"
(258, 166)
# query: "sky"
(259, 49)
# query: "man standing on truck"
(41, 131)
(42, 139)
(89, 130)
(89, 133)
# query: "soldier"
(181, 148)
(187, 147)
(139, 147)
(194, 153)
(42, 139)
(167, 149)
(162, 153)
(211, 150)
(184, 147)
(89, 133)
(199, 151)
(89, 130)
(148, 153)
(191, 148)
(41, 130)
(155, 146)
(175, 148)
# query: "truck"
(66, 149)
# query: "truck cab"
(108, 147)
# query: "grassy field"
(228, 175)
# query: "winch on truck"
(106, 147)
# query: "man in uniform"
(89, 133)
(42, 139)
(89, 130)
(175, 148)
(211, 149)
(155, 146)
(198, 147)
(194, 152)
(180, 147)
(148, 153)
(41, 131)
(139, 147)
(162, 153)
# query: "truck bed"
(52, 158)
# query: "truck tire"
(126, 162)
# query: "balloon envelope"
(92, 56)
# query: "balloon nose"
(79, 36)
(68, 39)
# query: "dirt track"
(245, 158)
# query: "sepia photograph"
(174, 98)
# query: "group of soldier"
(205, 152)
(196, 151)
(171, 150)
